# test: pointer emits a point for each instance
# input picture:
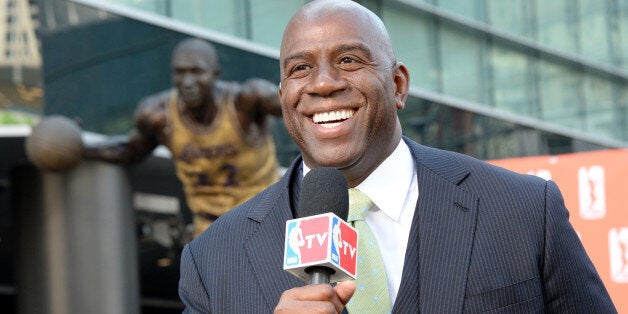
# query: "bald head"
(347, 8)
(198, 47)
(344, 13)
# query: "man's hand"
(319, 298)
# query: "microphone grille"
(324, 190)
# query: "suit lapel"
(265, 245)
(439, 247)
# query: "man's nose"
(325, 81)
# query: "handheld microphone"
(320, 245)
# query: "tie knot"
(359, 204)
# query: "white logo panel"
(592, 192)
(618, 249)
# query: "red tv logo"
(324, 240)
(315, 233)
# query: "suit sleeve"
(572, 285)
(191, 289)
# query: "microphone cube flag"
(321, 240)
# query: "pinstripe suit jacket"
(482, 239)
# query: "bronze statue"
(218, 133)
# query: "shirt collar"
(387, 186)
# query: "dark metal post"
(77, 250)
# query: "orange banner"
(596, 196)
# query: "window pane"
(461, 65)
(415, 48)
(269, 18)
(511, 79)
(219, 15)
(594, 39)
(559, 95)
(466, 8)
(554, 22)
(153, 6)
(622, 34)
(509, 16)
(623, 105)
(600, 111)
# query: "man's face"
(340, 93)
(193, 76)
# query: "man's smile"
(330, 119)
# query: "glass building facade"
(489, 78)
(557, 66)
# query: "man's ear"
(401, 79)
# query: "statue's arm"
(149, 123)
(259, 97)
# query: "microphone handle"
(319, 274)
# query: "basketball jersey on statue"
(218, 166)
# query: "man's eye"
(347, 60)
(300, 67)
(349, 63)
(300, 70)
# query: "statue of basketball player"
(218, 133)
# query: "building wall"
(559, 61)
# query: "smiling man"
(455, 234)
(338, 82)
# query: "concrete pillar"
(77, 250)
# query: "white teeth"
(323, 117)
(330, 125)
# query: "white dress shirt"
(393, 189)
